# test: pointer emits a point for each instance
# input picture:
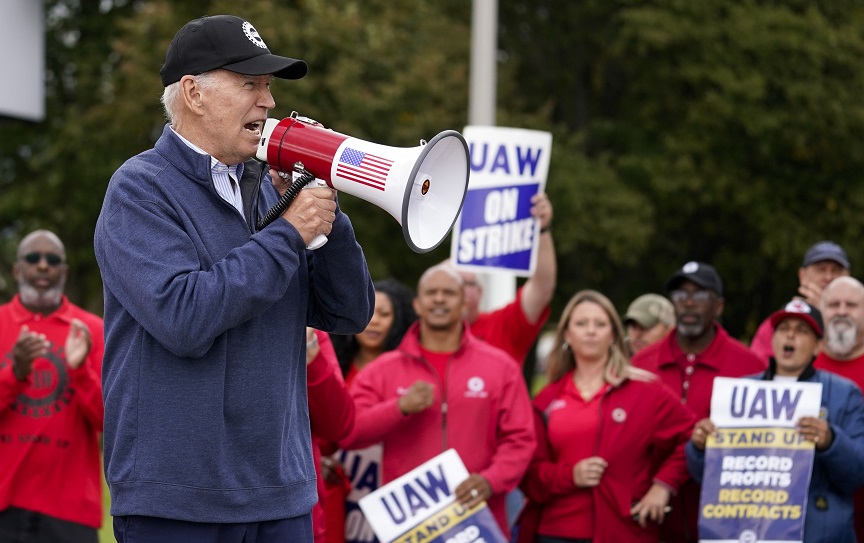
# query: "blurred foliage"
(723, 130)
(732, 126)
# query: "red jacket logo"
(476, 388)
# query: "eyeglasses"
(698, 296)
(51, 258)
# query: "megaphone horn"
(422, 187)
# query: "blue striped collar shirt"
(224, 177)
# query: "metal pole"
(498, 289)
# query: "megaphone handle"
(320, 239)
(285, 200)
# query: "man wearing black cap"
(823, 262)
(688, 359)
(838, 435)
(206, 421)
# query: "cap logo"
(797, 306)
(690, 267)
(253, 35)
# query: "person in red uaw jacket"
(443, 388)
(600, 424)
(50, 404)
(331, 412)
(696, 351)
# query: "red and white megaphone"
(423, 187)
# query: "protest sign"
(363, 468)
(421, 507)
(495, 230)
(757, 466)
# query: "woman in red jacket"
(393, 316)
(601, 424)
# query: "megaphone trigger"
(319, 240)
(422, 187)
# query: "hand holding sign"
(541, 209)
(473, 490)
(817, 431)
(701, 431)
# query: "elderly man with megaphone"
(206, 420)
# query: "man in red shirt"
(515, 327)
(443, 388)
(696, 351)
(50, 404)
(842, 309)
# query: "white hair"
(841, 336)
(172, 95)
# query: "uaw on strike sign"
(421, 507)
(757, 467)
(495, 230)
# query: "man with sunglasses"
(50, 404)
(696, 351)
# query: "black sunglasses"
(51, 258)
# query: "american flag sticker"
(364, 168)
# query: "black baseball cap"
(699, 273)
(801, 310)
(228, 42)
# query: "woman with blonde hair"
(610, 437)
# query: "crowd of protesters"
(216, 431)
(418, 380)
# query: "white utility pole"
(498, 289)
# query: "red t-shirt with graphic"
(50, 423)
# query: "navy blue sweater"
(204, 375)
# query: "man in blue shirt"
(837, 435)
(206, 421)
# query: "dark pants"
(549, 539)
(136, 529)
(23, 526)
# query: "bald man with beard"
(842, 308)
(50, 403)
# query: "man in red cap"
(838, 435)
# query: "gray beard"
(48, 299)
(691, 330)
(840, 341)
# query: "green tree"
(735, 123)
